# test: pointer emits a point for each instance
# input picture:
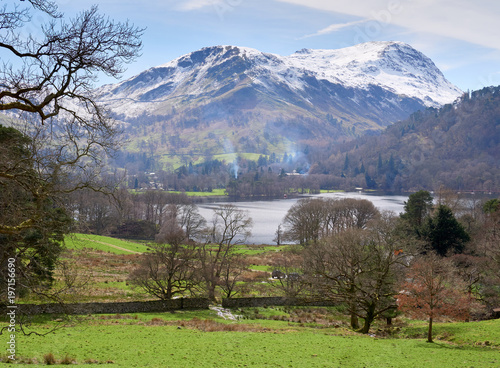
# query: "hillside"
(457, 146)
(225, 99)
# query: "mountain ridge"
(264, 102)
(349, 66)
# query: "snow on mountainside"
(393, 71)
(392, 65)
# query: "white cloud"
(471, 21)
(334, 28)
(197, 4)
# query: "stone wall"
(111, 308)
(160, 305)
(274, 301)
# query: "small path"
(225, 313)
(114, 246)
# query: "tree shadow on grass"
(445, 345)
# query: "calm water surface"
(267, 215)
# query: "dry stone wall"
(161, 305)
(111, 308)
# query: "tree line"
(454, 146)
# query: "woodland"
(456, 146)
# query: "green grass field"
(188, 339)
(104, 243)
(263, 337)
(213, 193)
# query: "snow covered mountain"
(310, 94)
(395, 66)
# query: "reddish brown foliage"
(431, 290)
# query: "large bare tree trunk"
(354, 321)
(429, 331)
(370, 316)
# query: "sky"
(462, 37)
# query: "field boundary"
(111, 308)
(162, 305)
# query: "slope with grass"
(104, 243)
(201, 339)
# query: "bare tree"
(309, 220)
(93, 211)
(62, 135)
(304, 221)
(56, 71)
(191, 221)
(171, 233)
(166, 271)
(432, 290)
(230, 226)
(336, 264)
(159, 204)
(279, 235)
(288, 266)
(170, 268)
(231, 272)
(48, 83)
(358, 267)
(487, 246)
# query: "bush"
(49, 359)
(67, 360)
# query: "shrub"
(49, 359)
(67, 360)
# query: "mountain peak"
(392, 65)
(210, 54)
(261, 102)
(212, 72)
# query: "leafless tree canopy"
(169, 270)
(55, 72)
(46, 84)
(59, 135)
(309, 220)
(229, 227)
(359, 267)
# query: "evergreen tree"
(346, 163)
(492, 205)
(33, 222)
(380, 164)
(444, 233)
(417, 209)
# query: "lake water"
(267, 215)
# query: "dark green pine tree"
(491, 206)
(346, 163)
(34, 225)
(380, 164)
(444, 233)
(417, 209)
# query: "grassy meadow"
(202, 339)
(258, 337)
(104, 243)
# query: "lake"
(268, 214)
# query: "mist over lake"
(268, 214)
